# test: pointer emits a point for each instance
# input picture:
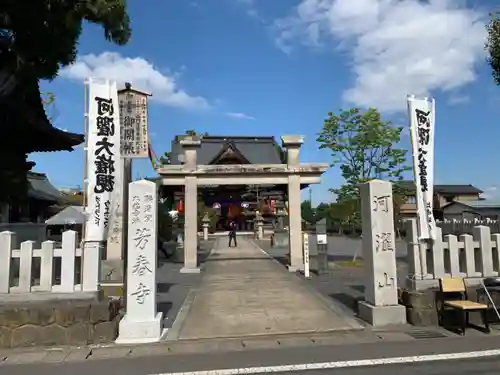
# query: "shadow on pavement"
(347, 300)
(163, 287)
(164, 307)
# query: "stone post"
(206, 224)
(379, 253)
(259, 225)
(190, 145)
(112, 268)
(142, 322)
(322, 246)
(292, 143)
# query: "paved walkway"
(245, 292)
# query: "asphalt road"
(193, 364)
(482, 366)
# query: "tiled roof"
(457, 189)
(483, 203)
(28, 119)
(40, 188)
(446, 189)
(257, 150)
(69, 215)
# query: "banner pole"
(85, 152)
(419, 230)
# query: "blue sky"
(259, 67)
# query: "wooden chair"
(454, 288)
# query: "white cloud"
(138, 71)
(396, 47)
(239, 116)
(456, 99)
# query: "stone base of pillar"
(379, 316)
(294, 268)
(416, 284)
(189, 270)
(134, 332)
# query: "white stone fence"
(475, 221)
(47, 269)
(473, 256)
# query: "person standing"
(232, 233)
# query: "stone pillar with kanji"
(380, 306)
(142, 322)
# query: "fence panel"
(472, 256)
(48, 269)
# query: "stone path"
(244, 292)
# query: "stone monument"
(379, 253)
(322, 248)
(281, 237)
(205, 225)
(142, 322)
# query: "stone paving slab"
(344, 284)
(244, 292)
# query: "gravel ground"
(173, 286)
(345, 281)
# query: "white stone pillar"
(116, 238)
(292, 143)
(379, 253)
(205, 232)
(206, 224)
(260, 230)
(142, 322)
(190, 145)
(112, 267)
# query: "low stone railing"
(46, 269)
(472, 257)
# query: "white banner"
(103, 153)
(134, 122)
(422, 119)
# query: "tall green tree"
(307, 212)
(493, 45)
(45, 33)
(321, 211)
(342, 213)
(364, 147)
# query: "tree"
(321, 211)
(165, 158)
(342, 213)
(211, 214)
(364, 147)
(49, 104)
(307, 212)
(493, 45)
(45, 33)
(193, 133)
